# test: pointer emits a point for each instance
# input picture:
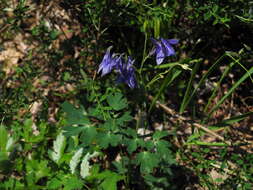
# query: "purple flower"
(126, 73)
(108, 63)
(163, 48)
(124, 68)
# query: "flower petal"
(132, 82)
(107, 63)
(126, 73)
(173, 41)
(160, 55)
(169, 50)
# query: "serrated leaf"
(75, 160)
(160, 134)
(58, 148)
(163, 151)
(110, 182)
(132, 144)
(122, 165)
(95, 112)
(88, 135)
(54, 183)
(37, 169)
(110, 125)
(147, 161)
(106, 139)
(85, 165)
(70, 131)
(72, 183)
(116, 101)
(149, 145)
(124, 118)
(75, 115)
(130, 132)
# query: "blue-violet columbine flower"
(126, 73)
(163, 48)
(108, 63)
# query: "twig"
(172, 112)
(3, 28)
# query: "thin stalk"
(144, 56)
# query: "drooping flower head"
(163, 48)
(126, 73)
(108, 63)
(123, 67)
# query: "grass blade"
(224, 74)
(187, 97)
(243, 78)
(167, 81)
(188, 89)
(234, 119)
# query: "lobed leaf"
(75, 160)
(75, 115)
(58, 148)
(116, 101)
(147, 161)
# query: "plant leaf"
(147, 161)
(234, 119)
(85, 165)
(58, 148)
(106, 139)
(124, 118)
(110, 182)
(89, 134)
(75, 160)
(162, 148)
(116, 101)
(75, 115)
(3, 138)
(132, 145)
(72, 183)
(69, 131)
(160, 134)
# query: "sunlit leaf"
(72, 183)
(75, 160)
(110, 182)
(3, 138)
(58, 148)
(85, 165)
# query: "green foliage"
(116, 101)
(74, 115)
(75, 160)
(58, 148)
(110, 134)
(3, 138)
(91, 133)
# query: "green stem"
(144, 56)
